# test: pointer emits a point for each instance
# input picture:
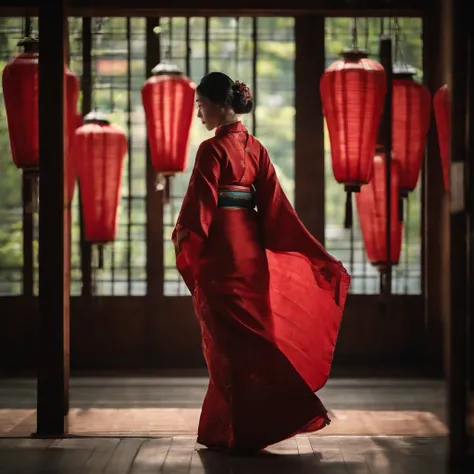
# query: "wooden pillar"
(86, 248)
(154, 227)
(435, 203)
(309, 123)
(458, 17)
(385, 133)
(154, 203)
(53, 353)
(470, 195)
(28, 186)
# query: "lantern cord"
(35, 194)
(367, 34)
(354, 34)
(237, 47)
(28, 27)
(398, 52)
(348, 215)
(384, 290)
(168, 53)
(167, 190)
(101, 257)
(100, 24)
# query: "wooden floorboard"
(181, 455)
(148, 425)
(170, 406)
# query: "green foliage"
(11, 258)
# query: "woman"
(268, 297)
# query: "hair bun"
(243, 91)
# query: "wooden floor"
(181, 455)
(145, 425)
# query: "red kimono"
(268, 297)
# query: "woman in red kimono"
(268, 297)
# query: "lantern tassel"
(163, 183)
(348, 215)
(35, 194)
(384, 291)
(101, 257)
(167, 190)
(160, 182)
(400, 209)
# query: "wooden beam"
(53, 353)
(153, 8)
(309, 123)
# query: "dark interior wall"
(120, 333)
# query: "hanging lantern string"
(397, 34)
(367, 33)
(28, 27)
(159, 30)
(99, 25)
(354, 34)
(169, 53)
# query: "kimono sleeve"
(197, 211)
(283, 231)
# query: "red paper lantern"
(20, 90)
(99, 150)
(352, 93)
(371, 206)
(411, 114)
(168, 100)
(442, 113)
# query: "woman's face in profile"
(209, 113)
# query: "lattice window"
(347, 245)
(118, 73)
(11, 31)
(75, 64)
(258, 51)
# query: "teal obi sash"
(237, 199)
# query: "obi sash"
(237, 197)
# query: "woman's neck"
(229, 120)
